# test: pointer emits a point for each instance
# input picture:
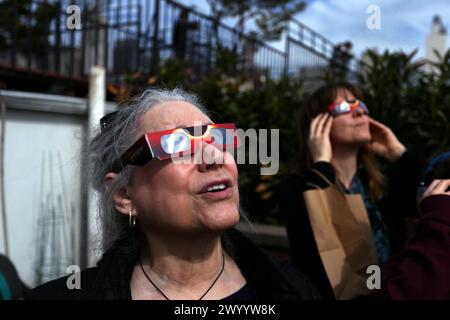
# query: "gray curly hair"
(108, 145)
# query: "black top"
(403, 179)
(244, 293)
(267, 277)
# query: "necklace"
(162, 293)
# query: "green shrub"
(397, 90)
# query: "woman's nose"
(357, 112)
(210, 156)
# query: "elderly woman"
(168, 223)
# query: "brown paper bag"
(344, 238)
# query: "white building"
(436, 40)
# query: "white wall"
(42, 153)
(43, 176)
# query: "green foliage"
(399, 93)
(412, 101)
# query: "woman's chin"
(222, 220)
(363, 139)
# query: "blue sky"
(404, 24)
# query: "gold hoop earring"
(132, 220)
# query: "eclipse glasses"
(346, 107)
(176, 142)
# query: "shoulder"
(59, 290)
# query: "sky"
(404, 24)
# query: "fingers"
(441, 187)
(319, 124)
(378, 125)
(375, 122)
(328, 124)
(313, 125)
(437, 187)
(375, 125)
(319, 139)
(430, 188)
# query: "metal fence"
(128, 36)
(310, 56)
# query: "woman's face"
(170, 196)
(350, 128)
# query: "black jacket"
(403, 179)
(270, 278)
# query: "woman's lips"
(226, 182)
(218, 195)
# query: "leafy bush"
(411, 101)
(399, 93)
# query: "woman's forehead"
(343, 94)
(173, 114)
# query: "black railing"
(126, 36)
(310, 55)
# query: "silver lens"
(175, 142)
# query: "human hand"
(384, 143)
(319, 142)
(438, 186)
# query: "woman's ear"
(121, 199)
